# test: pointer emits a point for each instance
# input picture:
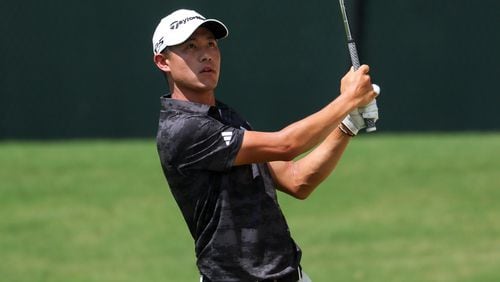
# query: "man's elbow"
(302, 192)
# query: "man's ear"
(162, 62)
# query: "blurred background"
(84, 68)
(82, 194)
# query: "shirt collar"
(167, 103)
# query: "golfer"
(223, 174)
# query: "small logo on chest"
(227, 136)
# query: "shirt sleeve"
(206, 143)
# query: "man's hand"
(356, 86)
(355, 120)
(370, 110)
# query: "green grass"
(398, 208)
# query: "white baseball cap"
(177, 27)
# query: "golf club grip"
(354, 55)
(353, 51)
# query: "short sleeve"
(200, 142)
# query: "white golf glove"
(355, 120)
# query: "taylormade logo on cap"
(177, 27)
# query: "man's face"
(195, 64)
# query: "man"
(223, 174)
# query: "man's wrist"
(346, 130)
(345, 104)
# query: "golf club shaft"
(353, 51)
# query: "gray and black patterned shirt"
(232, 212)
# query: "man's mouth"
(206, 69)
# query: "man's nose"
(206, 56)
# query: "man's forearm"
(300, 178)
(312, 130)
(319, 163)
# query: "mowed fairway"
(398, 208)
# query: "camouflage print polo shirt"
(232, 212)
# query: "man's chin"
(207, 86)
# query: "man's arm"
(300, 178)
(301, 136)
(293, 140)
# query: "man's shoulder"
(182, 124)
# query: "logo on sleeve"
(227, 135)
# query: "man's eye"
(191, 46)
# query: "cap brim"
(216, 27)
